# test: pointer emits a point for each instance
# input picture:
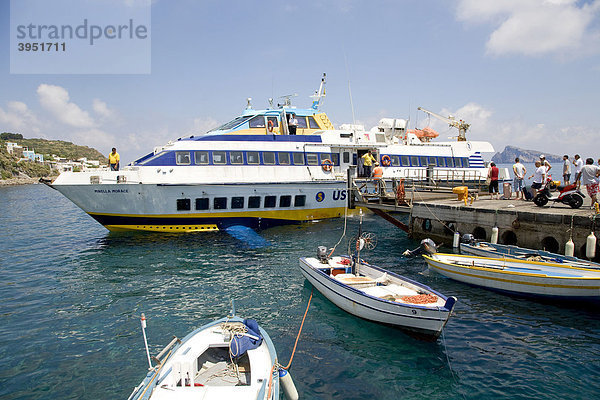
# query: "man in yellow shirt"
(113, 160)
(368, 160)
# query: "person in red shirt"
(493, 176)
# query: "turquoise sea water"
(71, 294)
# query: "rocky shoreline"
(18, 181)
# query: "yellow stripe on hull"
(163, 228)
(291, 215)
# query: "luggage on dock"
(527, 193)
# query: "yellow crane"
(461, 125)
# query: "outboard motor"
(467, 238)
(322, 254)
(427, 246)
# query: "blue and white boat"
(494, 250)
(251, 171)
(531, 278)
(378, 295)
(231, 358)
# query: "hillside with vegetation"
(10, 168)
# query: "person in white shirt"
(545, 163)
(578, 163)
(539, 177)
(589, 177)
(566, 170)
(520, 171)
(292, 124)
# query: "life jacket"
(377, 173)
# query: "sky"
(522, 72)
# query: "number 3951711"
(44, 46)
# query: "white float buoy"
(570, 248)
(456, 240)
(590, 246)
(494, 238)
(287, 384)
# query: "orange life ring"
(386, 160)
(327, 165)
(270, 126)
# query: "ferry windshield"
(232, 124)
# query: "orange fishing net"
(419, 299)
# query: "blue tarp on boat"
(249, 341)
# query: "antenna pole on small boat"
(143, 321)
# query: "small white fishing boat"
(494, 250)
(376, 294)
(231, 358)
(519, 276)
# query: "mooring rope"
(277, 365)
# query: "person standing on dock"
(545, 163)
(368, 161)
(520, 171)
(578, 163)
(113, 160)
(589, 177)
(566, 170)
(493, 176)
(539, 177)
(378, 176)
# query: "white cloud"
(542, 137)
(56, 100)
(535, 27)
(202, 125)
(20, 118)
(101, 108)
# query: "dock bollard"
(456, 240)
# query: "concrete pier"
(519, 222)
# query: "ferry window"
(231, 124)
(219, 157)
(220, 203)
(254, 202)
(201, 157)
(301, 122)
(270, 201)
(346, 157)
(395, 160)
(312, 123)
(414, 161)
(257, 122)
(236, 157)
(405, 161)
(202, 204)
(423, 161)
(284, 158)
(432, 160)
(299, 200)
(466, 162)
(298, 158)
(335, 158)
(182, 157)
(312, 159)
(237, 202)
(449, 162)
(183, 205)
(268, 157)
(285, 201)
(274, 120)
(441, 162)
(325, 156)
(252, 157)
(458, 162)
